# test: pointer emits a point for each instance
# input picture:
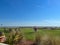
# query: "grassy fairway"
(43, 37)
(30, 34)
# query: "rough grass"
(48, 37)
(30, 34)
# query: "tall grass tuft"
(37, 38)
(14, 37)
(46, 40)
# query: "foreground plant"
(37, 38)
(14, 37)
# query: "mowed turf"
(29, 33)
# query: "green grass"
(30, 34)
(43, 37)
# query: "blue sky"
(30, 12)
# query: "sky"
(30, 12)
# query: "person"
(2, 38)
(35, 29)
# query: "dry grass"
(14, 37)
(47, 40)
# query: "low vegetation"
(15, 36)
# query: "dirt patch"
(25, 43)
